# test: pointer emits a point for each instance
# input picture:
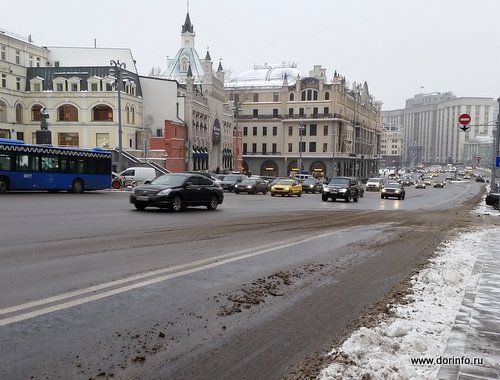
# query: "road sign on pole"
(464, 119)
(498, 162)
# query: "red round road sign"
(464, 119)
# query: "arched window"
(35, 112)
(102, 112)
(3, 112)
(67, 112)
(19, 113)
(327, 96)
(127, 113)
(133, 115)
(292, 97)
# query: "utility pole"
(496, 139)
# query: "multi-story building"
(210, 139)
(431, 130)
(292, 123)
(391, 149)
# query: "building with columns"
(292, 123)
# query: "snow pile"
(420, 328)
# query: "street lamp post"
(301, 129)
(334, 134)
(118, 67)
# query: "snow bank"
(420, 328)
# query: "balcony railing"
(294, 116)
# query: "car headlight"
(326, 189)
(311, 186)
(342, 190)
(397, 191)
(383, 190)
(165, 192)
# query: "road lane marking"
(163, 275)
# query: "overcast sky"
(399, 47)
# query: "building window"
(18, 84)
(18, 57)
(290, 147)
(255, 113)
(301, 111)
(74, 87)
(290, 131)
(19, 114)
(264, 131)
(325, 130)
(93, 87)
(254, 131)
(290, 111)
(38, 61)
(326, 111)
(254, 148)
(255, 97)
(133, 115)
(35, 112)
(312, 146)
(20, 136)
(244, 148)
(4, 81)
(37, 87)
(127, 114)
(276, 97)
(325, 147)
(102, 113)
(292, 97)
(275, 131)
(68, 139)
(67, 113)
(313, 129)
(315, 111)
(102, 140)
(274, 147)
(59, 87)
(264, 148)
(302, 146)
(245, 131)
(327, 96)
(3, 53)
(275, 113)
(30, 60)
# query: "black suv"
(345, 188)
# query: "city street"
(259, 288)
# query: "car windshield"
(373, 179)
(339, 181)
(392, 185)
(231, 178)
(248, 181)
(169, 180)
(309, 180)
(283, 182)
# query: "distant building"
(307, 124)
(392, 147)
(431, 132)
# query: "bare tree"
(155, 71)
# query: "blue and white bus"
(40, 167)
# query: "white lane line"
(198, 266)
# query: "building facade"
(431, 130)
(392, 147)
(210, 138)
(76, 87)
(294, 124)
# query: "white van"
(302, 177)
(137, 175)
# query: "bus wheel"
(4, 185)
(116, 184)
(77, 186)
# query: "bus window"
(80, 166)
(25, 163)
(5, 161)
(50, 163)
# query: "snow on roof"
(266, 76)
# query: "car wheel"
(176, 205)
(403, 196)
(347, 199)
(290, 193)
(213, 203)
(264, 191)
(236, 192)
(324, 199)
(496, 205)
(272, 194)
(140, 206)
(355, 199)
(399, 197)
(77, 186)
(116, 184)
(299, 194)
(381, 196)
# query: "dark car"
(480, 179)
(230, 180)
(345, 188)
(251, 186)
(311, 185)
(492, 199)
(393, 189)
(177, 191)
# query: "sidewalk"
(476, 331)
